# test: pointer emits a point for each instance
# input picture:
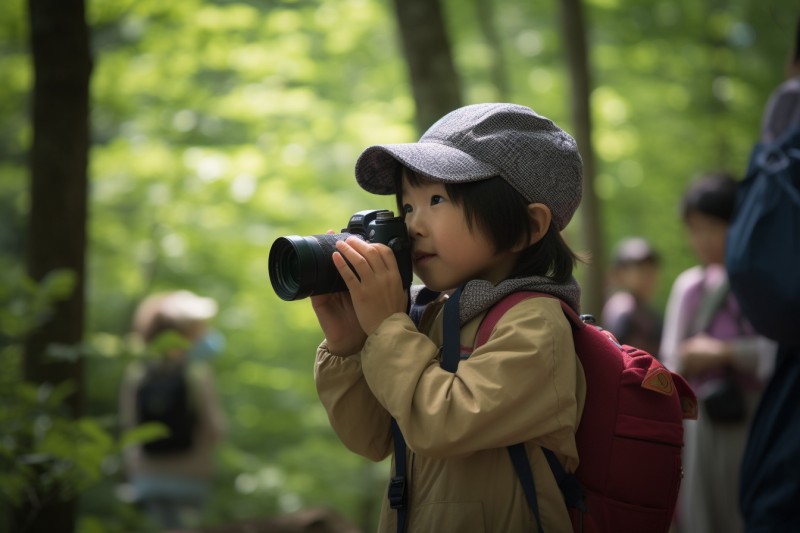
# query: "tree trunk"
(498, 70)
(574, 32)
(58, 211)
(426, 46)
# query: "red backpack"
(629, 438)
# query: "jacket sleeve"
(519, 386)
(361, 423)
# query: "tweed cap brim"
(377, 167)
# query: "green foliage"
(218, 126)
(28, 304)
(45, 455)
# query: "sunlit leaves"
(143, 433)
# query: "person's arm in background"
(676, 319)
(752, 355)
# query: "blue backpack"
(763, 248)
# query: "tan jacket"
(524, 385)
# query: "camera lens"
(302, 266)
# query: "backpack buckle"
(398, 493)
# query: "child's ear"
(540, 218)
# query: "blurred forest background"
(216, 126)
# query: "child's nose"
(413, 224)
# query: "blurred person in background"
(170, 476)
(708, 340)
(629, 312)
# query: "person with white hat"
(629, 313)
(170, 477)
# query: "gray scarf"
(480, 295)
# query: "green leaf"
(143, 433)
(58, 285)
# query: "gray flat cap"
(482, 141)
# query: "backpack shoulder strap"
(572, 490)
(710, 303)
(500, 308)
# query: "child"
(708, 340)
(485, 193)
(629, 312)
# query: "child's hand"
(377, 292)
(339, 322)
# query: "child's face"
(446, 252)
(640, 278)
(707, 235)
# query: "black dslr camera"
(302, 266)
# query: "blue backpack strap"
(571, 488)
(420, 302)
(451, 355)
(519, 458)
(398, 484)
(451, 325)
(574, 494)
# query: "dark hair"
(713, 194)
(501, 213)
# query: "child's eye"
(437, 199)
(407, 208)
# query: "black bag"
(724, 399)
(164, 396)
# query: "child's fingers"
(387, 257)
(360, 255)
(379, 256)
(349, 277)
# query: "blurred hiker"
(708, 340)
(629, 313)
(171, 475)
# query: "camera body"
(303, 266)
